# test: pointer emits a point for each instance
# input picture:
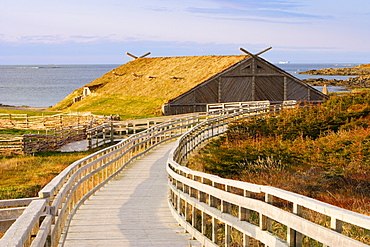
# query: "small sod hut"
(176, 85)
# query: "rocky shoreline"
(22, 108)
(361, 81)
(352, 82)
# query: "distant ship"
(286, 62)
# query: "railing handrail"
(68, 190)
(49, 188)
(18, 234)
(183, 179)
(307, 202)
(60, 199)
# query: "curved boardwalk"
(131, 210)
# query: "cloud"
(86, 39)
(306, 48)
(264, 11)
(57, 39)
(160, 9)
(256, 4)
(40, 38)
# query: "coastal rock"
(352, 82)
(358, 70)
(361, 81)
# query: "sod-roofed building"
(250, 79)
(176, 85)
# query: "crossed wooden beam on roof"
(134, 57)
(254, 55)
(242, 49)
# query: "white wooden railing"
(202, 203)
(118, 130)
(45, 221)
(224, 212)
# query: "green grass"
(29, 112)
(359, 90)
(24, 176)
(19, 132)
(140, 88)
(128, 107)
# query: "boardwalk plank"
(131, 210)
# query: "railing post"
(244, 214)
(179, 206)
(225, 206)
(186, 213)
(193, 216)
(88, 134)
(294, 238)
(214, 230)
(227, 235)
(201, 195)
(335, 225)
(204, 223)
(211, 200)
(269, 200)
(265, 222)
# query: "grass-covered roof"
(140, 87)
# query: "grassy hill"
(140, 88)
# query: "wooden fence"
(96, 133)
(225, 212)
(119, 130)
(53, 140)
(11, 144)
(46, 221)
(24, 121)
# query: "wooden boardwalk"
(131, 210)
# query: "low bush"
(322, 152)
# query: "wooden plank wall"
(269, 88)
(236, 89)
(252, 80)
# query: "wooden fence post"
(335, 225)
(111, 132)
(294, 238)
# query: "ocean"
(46, 85)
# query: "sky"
(102, 31)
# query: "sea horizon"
(275, 63)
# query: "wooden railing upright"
(45, 221)
(213, 209)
